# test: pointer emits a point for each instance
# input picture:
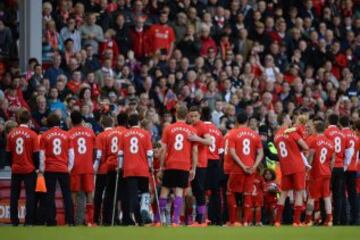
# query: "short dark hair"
(122, 119)
(357, 125)
(106, 121)
(76, 117)
(181, 112)
(194, 109)
(344, 121)
(206, 114)
(281, 118)
(319, 126)
(242, 117)
(333, 119)
(53, 120)
(134, 120)
(24, 116)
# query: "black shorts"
(140, 183)
(198, 184)
(175, 178)
(213, 175)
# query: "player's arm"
(349, 153)
(71, 156)
(259, 157)
(206, 140)
(42, 160)
(36, 159)
(97, 160)
(162, 155)
(194, 158)
(305, 148)
(311, 156)
(332, 163)
(236, 158)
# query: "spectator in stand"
(206, 41)
(161, 36)
(71, 31)
(41, 113)
(55, 70)
(6, 40)
(91, 33)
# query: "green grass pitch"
(181, 233)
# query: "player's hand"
(251, 170)
(159, 175)
(191, 175)
(193, 138)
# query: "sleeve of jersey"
(36, 143)
(259, 142)
(221, 145)
(295, 136)
(164, 138)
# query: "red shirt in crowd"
(289, 152)
(22, 142)
(246, 143)
(179, 148)
(323, 152)
(136, 145)
(56, 144)
(83, 140)
(161, 36)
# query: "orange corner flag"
(40, 184)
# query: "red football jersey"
(56, 144)
(201, 130)
(354, 142)
(246, 143)
(22, 142)
(101, 141)
(228, 162)
(289, 152)
(160, 36)
(340, 144)
(135, 144)
(179, 148)
(217, 141)
(83, 140)
(259, 186)
(324, 150)
(112, 147)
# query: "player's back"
(202, 129)
(288, 151)
(22, 142)
(228, 162)
(217, 141)
(179, 148)
(323, 151)
(56, 143)
(246, 142)
(83, 140)
(136, 145)
(112, 147)
(339, 140)
(354, 142)
(101, 141)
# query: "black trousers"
(338, 190)
(29, 180)
(212, 183)
(350, 183)
(198, 189)
(109, 197)
(100, 185)
(134, 186)
(51, 179)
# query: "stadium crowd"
(230, 62)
